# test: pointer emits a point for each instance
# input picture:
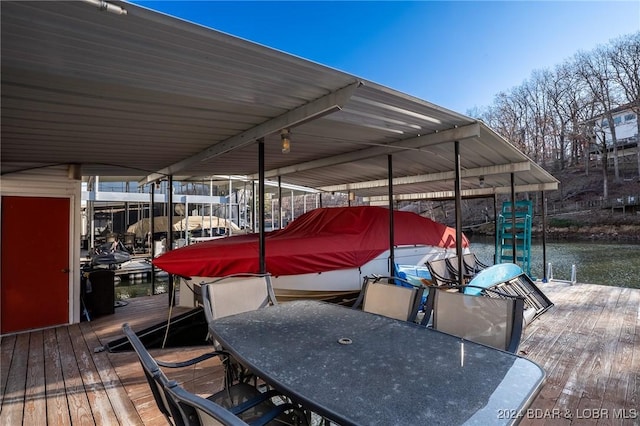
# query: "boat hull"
(331, 284)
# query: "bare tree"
(506, 117)
(567, 100)
(555, 89)
(532, 95)
(624, 56)
(548, 115)
(595, 72)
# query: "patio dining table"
(357, 368)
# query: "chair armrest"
(273, 413)
(393, 278)
(190, 361)
(259, 398)
(484, 291)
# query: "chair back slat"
(492, 321)
(472, 264)
(391, 300)
(480, 319)
(440, 273)
(236, 294)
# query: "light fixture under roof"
(107, 7)
(285, 136)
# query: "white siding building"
(625, 121)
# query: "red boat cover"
(323, 239)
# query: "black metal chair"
(473, 264)
(195, 410)
(234, 294)
(441, 275)
(493, 318)
(246, 402)
(452, 266)
(198, 411)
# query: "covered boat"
(324, 251)
(180, 224)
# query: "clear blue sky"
(456, 54)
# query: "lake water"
(596, 262)
(127, 289)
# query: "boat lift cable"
(166, 332)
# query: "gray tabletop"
(388, 372)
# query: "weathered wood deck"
(589, 345)
(54, 376)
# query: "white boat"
(325, 252)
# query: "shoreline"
(603, 233)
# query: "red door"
(35, 263)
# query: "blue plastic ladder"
(521, 232)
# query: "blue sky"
(456, 54)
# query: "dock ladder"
(522, 233)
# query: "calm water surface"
(615, 264)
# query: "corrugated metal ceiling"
(143, 93)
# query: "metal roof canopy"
(148, 95)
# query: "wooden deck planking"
(122, 406)
(12, 411)
(77, 399)
(578, 363)
(588, 344)
(35, 401)
(103, 413)
(620, 378)
(57, 405)
(6, 353)
(140, 313)
(633, 389)
(581, 345)
(552, 343)
(599, 361)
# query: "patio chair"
(452, 266)
(234, 294)
(441, 275)
(391, 300)
(195, 410)
(508, 278)
(198, 411)
(151, 371)
(495, 321)
(240, 399)
(473, 264)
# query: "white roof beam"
(478, 192)
(457, 133)
(381, 118)
(396, 109)
(432, 177)
(317, 108)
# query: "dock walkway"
(589, 345)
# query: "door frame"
(73, 315)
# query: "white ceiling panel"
(145, 94)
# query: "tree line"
(550, 116)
